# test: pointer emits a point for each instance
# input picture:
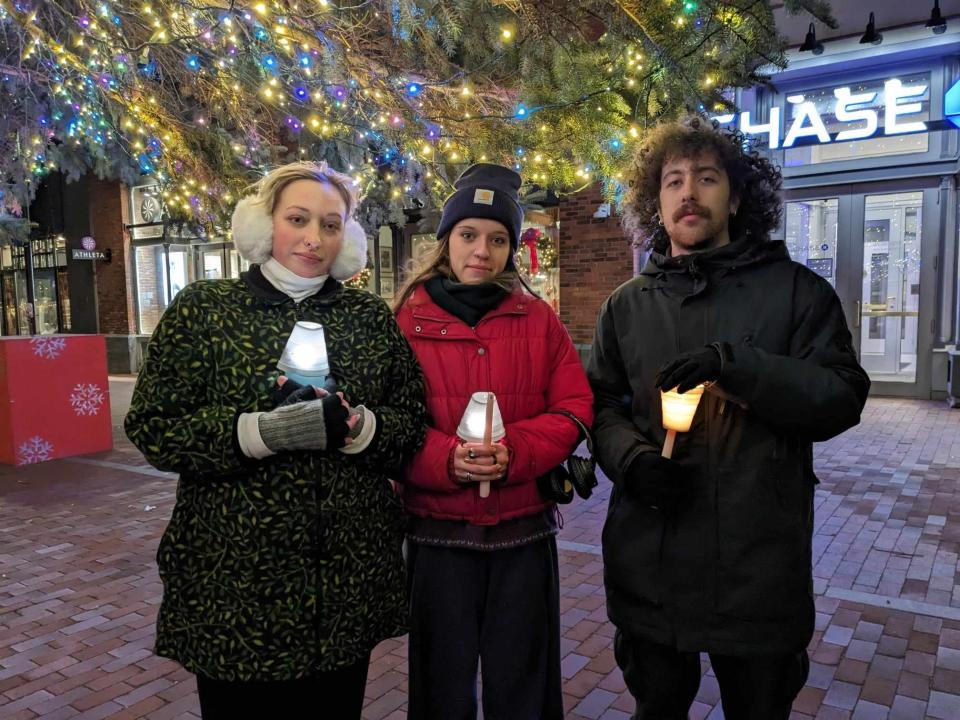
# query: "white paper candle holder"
(678, 412)
(472, 423)
(482, 423)
(304, 358)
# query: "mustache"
(691, 209)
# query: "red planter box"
(54, 397)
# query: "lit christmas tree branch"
(205, 96)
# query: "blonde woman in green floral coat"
(281, 564)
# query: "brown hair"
(754, 180)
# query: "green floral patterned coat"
(275, 568)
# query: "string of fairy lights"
(205, 96)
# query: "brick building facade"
(109, 214)
(595, 258)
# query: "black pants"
(501, 607)
(336, 694)
(664, 682)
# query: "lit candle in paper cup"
(304, 358)
(482, 423)
(678, 412)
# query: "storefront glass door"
(890, 290)
(875, 244)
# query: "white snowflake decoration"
(48, 347)
(34, 450)
(86, 399)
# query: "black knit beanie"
(485, 191)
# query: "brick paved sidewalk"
(79, 589)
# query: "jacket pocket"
(764, 525)
(632, 542)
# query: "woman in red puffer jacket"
(483, 570)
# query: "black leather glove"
(689, 369)
(657, 481)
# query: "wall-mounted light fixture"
(871, 36)
(810, 43)
(936, 21)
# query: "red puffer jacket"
(520, 351)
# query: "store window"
(879, 144)
(423, 246)
(537, 257)
(151, 280)
(811, 235)
(181, 271)
(213, 268)
(386, 263)
(146, 205)
(51, 298)
(236, 264)
(162, 270)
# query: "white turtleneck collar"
(288, 282)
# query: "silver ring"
(468, 477)
(471, 454)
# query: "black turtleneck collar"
(468, 302)
(740, 253)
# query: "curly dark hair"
(753, 179)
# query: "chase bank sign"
(860, 111)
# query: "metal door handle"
(856, 316)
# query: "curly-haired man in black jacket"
(710, 551)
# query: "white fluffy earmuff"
(352, 257)
(252, 230)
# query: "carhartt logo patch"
(484, 197)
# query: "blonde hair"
(437, 263)
(267, 190)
